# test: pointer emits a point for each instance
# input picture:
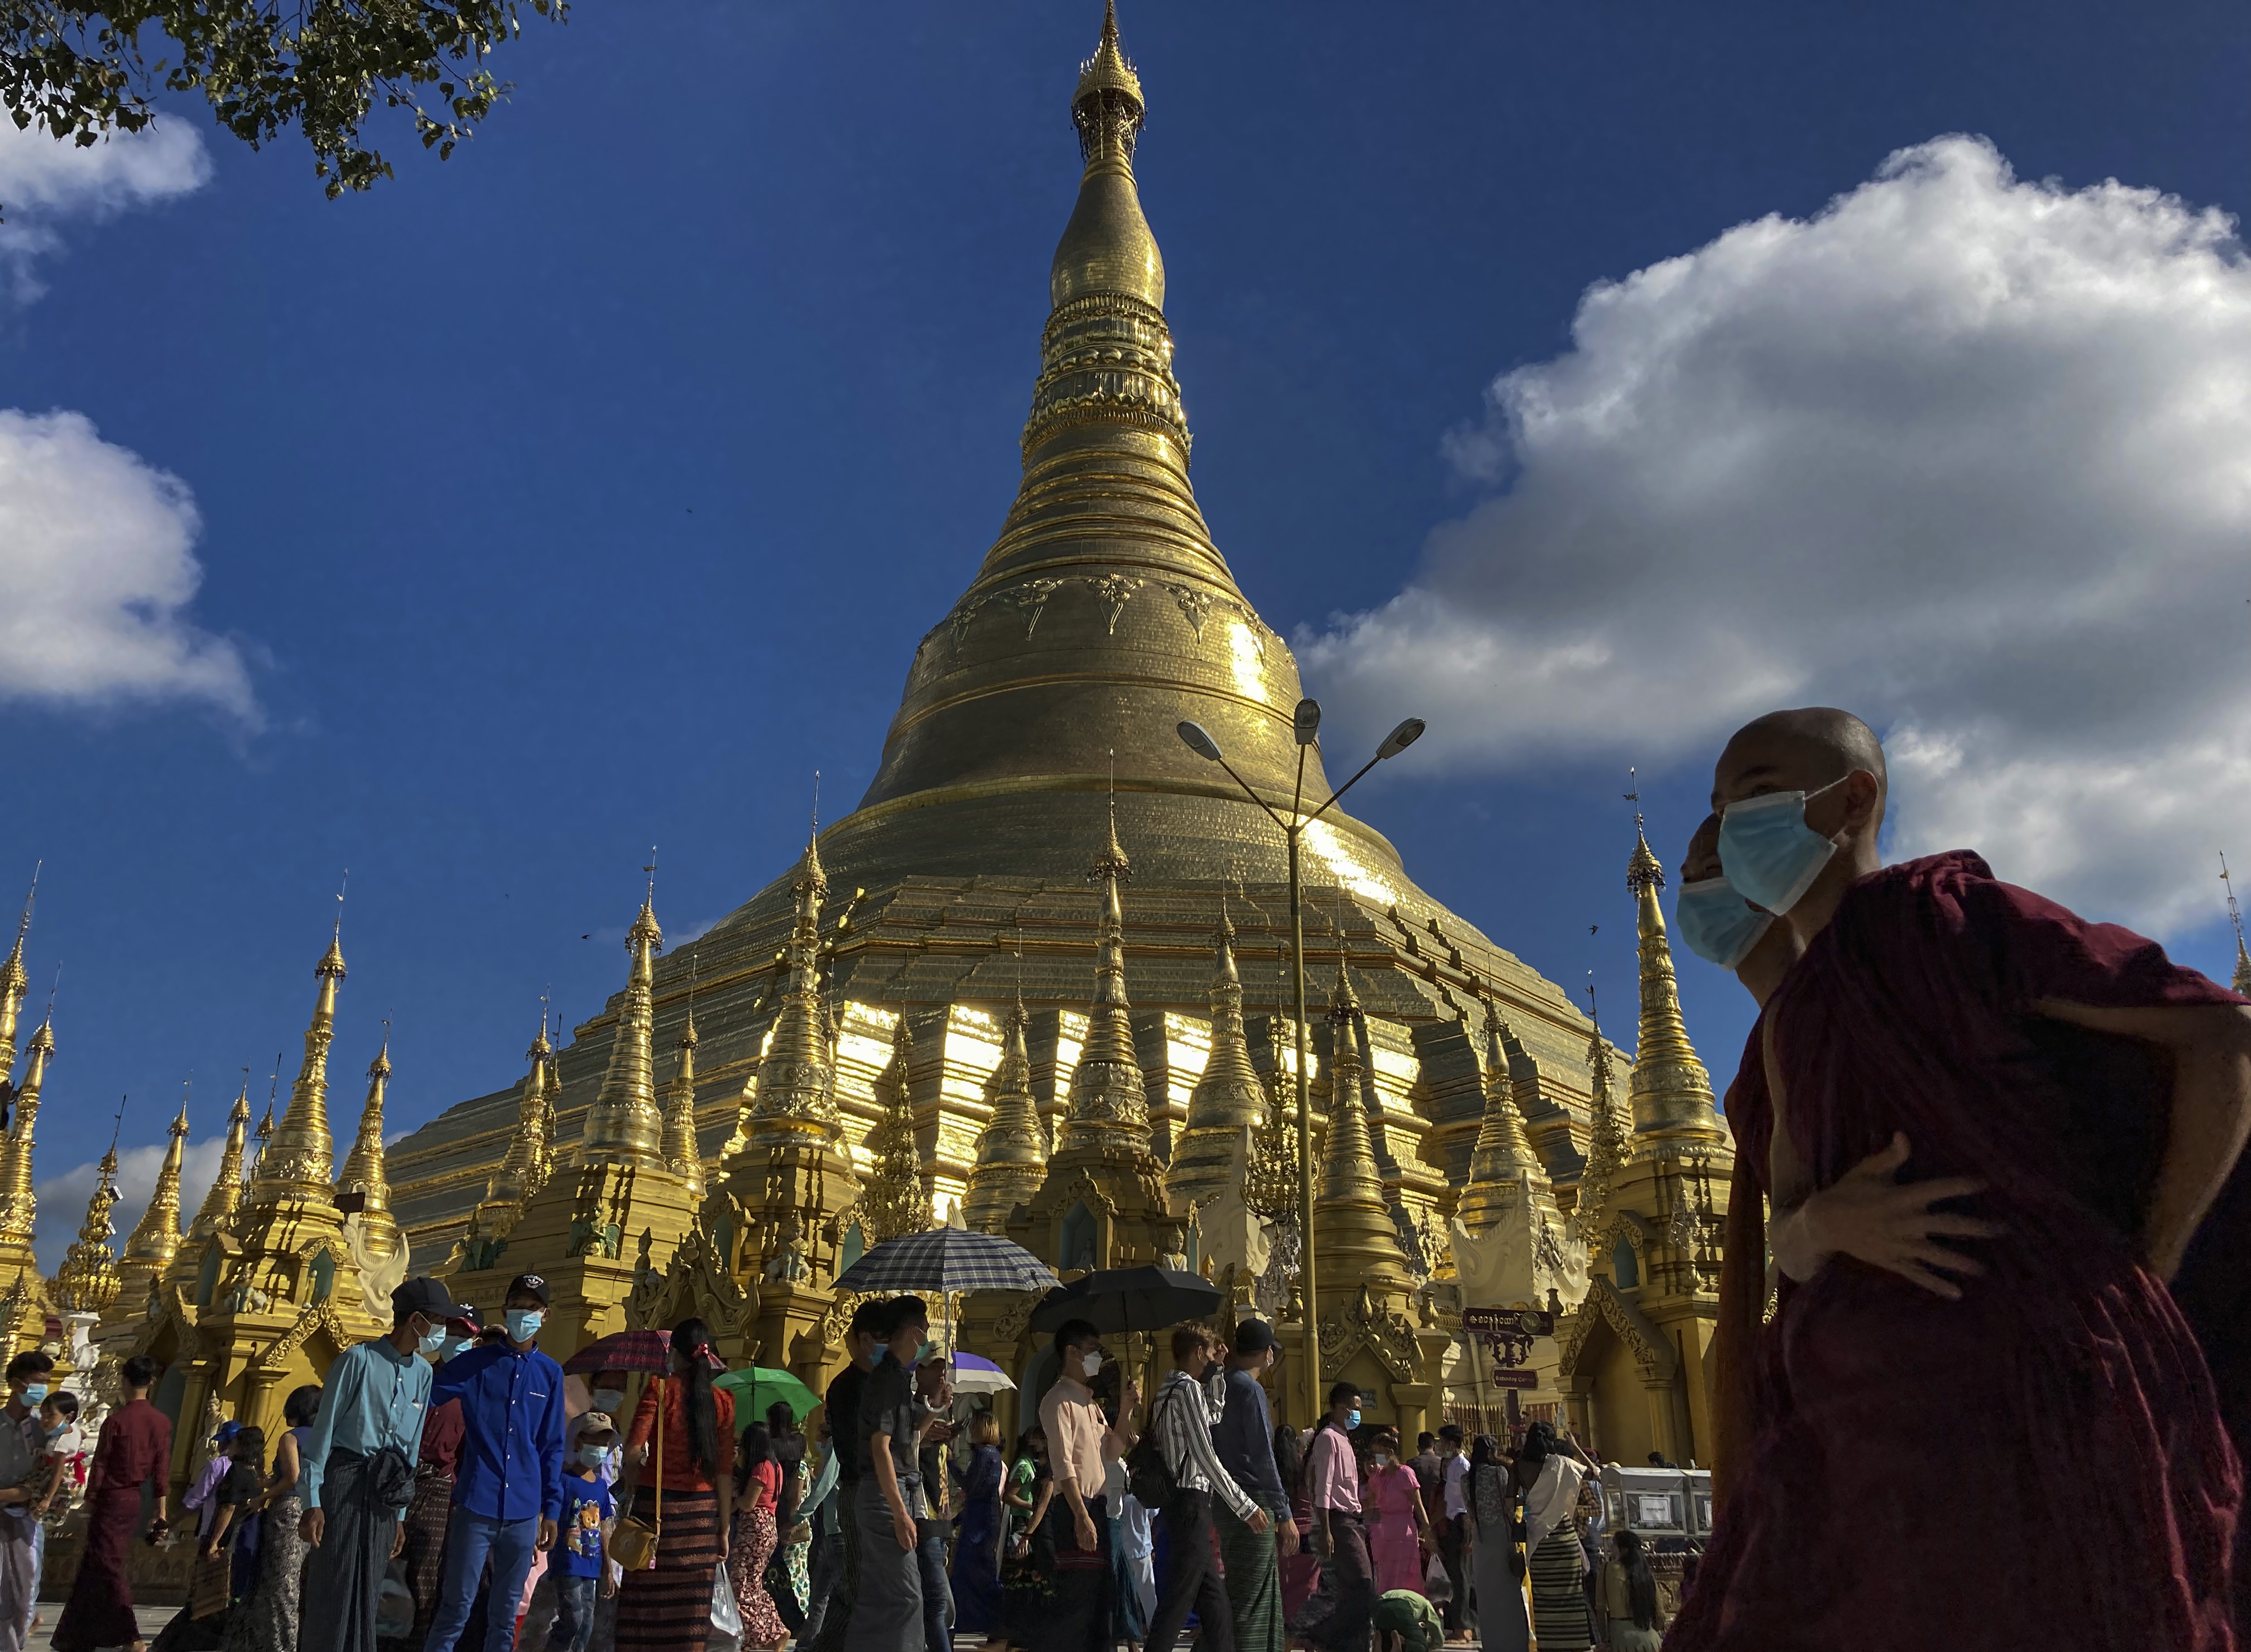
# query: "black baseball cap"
(1450, 1432)
(425, 1297)
(1253, 1336)
(530, 1285)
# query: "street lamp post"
(1306, 724)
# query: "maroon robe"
(135, 1447)
(2042, 1463)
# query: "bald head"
(1798, 751)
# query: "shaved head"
(1820, 741)
(1836, 760)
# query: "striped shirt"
(1185, 1414)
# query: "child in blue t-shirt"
(581, 1559)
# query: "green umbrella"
(757, 1388)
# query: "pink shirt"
(1335, 1473)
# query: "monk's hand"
(1872, 1215)
(313, 1526)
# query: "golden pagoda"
(1037, 718)
(14, 983)
(194, 1264)
(1653, 1205)
(155, 1238)
(1012, 1150)
(892, 1200)
(1228, 1098)
(683, 1155)
(524, 1167)
(361, 1180)
(88, 1282)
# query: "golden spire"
(14, 983)
(300, 1160)
(2242, 981)
(1269, 1180)
(624, 1123)
(1012, 1155)
(1359, 1242)
(892, 1201)
(363, 1170)
(88, 1282)
(1109, 1108)
(19, 1202)
(1670, 1092)
(226, 1187)
(155, 1238)
(1503, 1155)
(1226, 1099)
(1107, 248)
(797, 1079)
(1610, 1140)
(682, 1153)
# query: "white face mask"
(1091, 1364)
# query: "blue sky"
(591, 490)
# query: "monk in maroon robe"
(136, 1449)
(2021, 1447)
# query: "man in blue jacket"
(508, 1490)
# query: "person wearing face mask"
(1189, 1403)
(1393, 1496)
(1340, 1537)
(22, 1454)
(1078, 1617)
(508, 1488)
(2074, 1103)
(836, 1558)
(358, 1467)
(1245, 1442)
(422, 1562)
(581, 1549)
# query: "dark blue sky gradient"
(591, 490)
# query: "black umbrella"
(1128, 1299)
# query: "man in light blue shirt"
(359, 1466)
(508, 1490)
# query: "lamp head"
(1193, 736)
(1401, 737)
(1305, 722)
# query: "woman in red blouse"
(688, 1497)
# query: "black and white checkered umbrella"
(948, 1260)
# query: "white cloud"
(1969, 455)
(63, 1198)
(96, 553)
(44, 183)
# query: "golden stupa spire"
(1503, 1158)
(530, 1157)
(1610, 1138)
(1012, 1153)
(892, 1201)
(682, 1154)
(2242, 981)
(300, 1160)
(1359, 1240)
(363, 1170)
(1109, 1104)
(1269, 1180)
(797, 1079)
(155, 1238)
(1226, 1099)
(1670, 1092)
(13, 984)
(226, 1187)
(19, 1200)
(624, 1123)
(88, 1282)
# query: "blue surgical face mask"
(1718, 924)
(434, 1338)
(1771, 855)
(1354, 1423)
(461, 1346)
(524, 1324)
(34, 1393)
(609, 1401)
(593, 1456)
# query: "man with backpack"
(1176, 1470)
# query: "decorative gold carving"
(1387, 1334)
(1651, 1349)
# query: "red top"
(681, 1474)
(135, 1446)
(768, 1474)
(2065, 1377)
(441, 1436)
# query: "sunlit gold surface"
(155, 1238)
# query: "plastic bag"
(726, 1617)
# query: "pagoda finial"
(363, 1171)
(1502, 1162)
(682, 1153)
(1109, 1106)
(1610, 1142)
(155, 1238)
(1012, 1152)
(624, 1123)
(14, 983)
(2242, 981)
(18, 1196)
(88, 1280)
(1670, 1092)
(797, 1077)
(1107, 107)
(300, 1160)
(226, 1191)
